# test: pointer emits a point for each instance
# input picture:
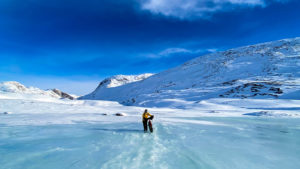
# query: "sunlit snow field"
(76, 134)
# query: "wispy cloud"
(171, 52)
(187, 9)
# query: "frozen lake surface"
(185, 142)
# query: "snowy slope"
(15, 90)
(267, 70)
(120, 80)
(116, 81)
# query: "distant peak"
(12, 86)
(119, 80)
(18, 89)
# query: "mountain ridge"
(268, 70)
(116, 81)
(13, 89)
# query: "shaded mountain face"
(267, 70)
(12, 89)
(63, 95)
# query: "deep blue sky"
(74, 44)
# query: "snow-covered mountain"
(116, 81)
(268, 70)
(120, 80)
(16, 90)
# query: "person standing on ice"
(147, 117)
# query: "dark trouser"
(145, 124)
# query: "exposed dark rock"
(276, 90)
(63, 94)
(254, 89)
(120, 114)
(230, 82)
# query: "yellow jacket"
(146, 115)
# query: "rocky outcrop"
(63, 95)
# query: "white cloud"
(186, 9)
(169, 52)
